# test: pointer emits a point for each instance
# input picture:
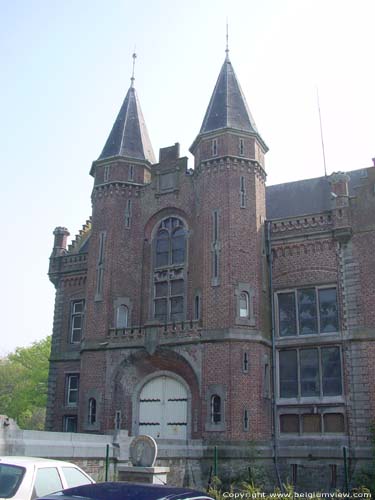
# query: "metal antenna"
(134, 56)
(227, 41)
(321, 133)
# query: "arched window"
(169, 287)
(215, 409)
(170, 242)
(122, 315)
(244, 305)
(92, 411)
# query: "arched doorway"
(163, 408)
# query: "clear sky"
(65, 69)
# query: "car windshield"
(10, 479)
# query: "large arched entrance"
(163, 408)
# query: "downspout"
(273, 361)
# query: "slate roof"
(309, 196)
(228, 107)
(129, 136)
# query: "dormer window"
(214, 147)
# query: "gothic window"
(76, 321)
(244, 305)
(92, 411)
(215, 409)
(72, 386)
(312, 372)
(169, 278)
(214, 147)
(122, 316)
(307, 311)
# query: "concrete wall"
(88, 451)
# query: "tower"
(229, 168)
(165, 330)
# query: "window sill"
(310, 401)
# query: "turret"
(60, 242)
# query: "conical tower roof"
(129, 136)
(228, 107)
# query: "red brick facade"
(218, 347)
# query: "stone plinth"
(149, 475)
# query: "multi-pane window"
(215, 409)
(312, 423)
(76, 322)
(307, 311)
(169, 300)
(72, 387)
(170, 242)
(310, 372)
(169, 284)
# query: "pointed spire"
(228, 107)
(129, 136)
(134, 56)
(227, 43)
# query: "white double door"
(163, 409)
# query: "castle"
(200, 306)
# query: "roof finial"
(227, 42)
(134, 56)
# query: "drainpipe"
(274, 381)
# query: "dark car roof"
(126, 491)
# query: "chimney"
(61, 236)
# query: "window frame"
(73, 315)
(92, 411)
(69, 390)
(300, 413)
(321, 396)
(66, 419)
(317, 289)
(214, 147)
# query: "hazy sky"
(65, 69)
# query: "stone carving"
(143, 451)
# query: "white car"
(27, 478)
